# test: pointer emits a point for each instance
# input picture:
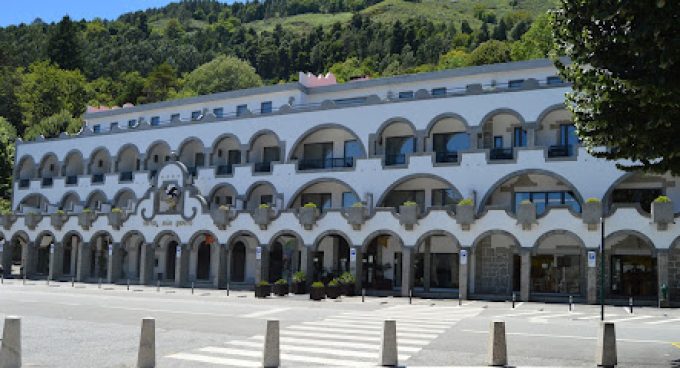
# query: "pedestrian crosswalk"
(349, 339)
(542, 316)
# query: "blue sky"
(18, 11)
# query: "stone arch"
(293, 199)
(100, 161)
(252, 190)
(255, 146)
(631, 265)
(157, 154)
(548, 234)
(127, 158)
(327, 126)
(68, 200)
(169, 234)
(197, 234)
(281, 233)
(646, 239)
(395, 120)
(222, 188)
(94, 197)
(218, 155)
(34, 200)
(550, 109)
(191, 152)
(242, 233)
(410, 177)
(69, 236)
(131, 233)
(74, 163)
(26, 168)
(487, 233)
(436, 232)
(370, 237)
(49, 166)
(446, 115)
(123, 196)
(502, 111)
(259, 134)
(326, 233)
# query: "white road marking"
(627, 319)
(374, 326)
(517, 305)
(521, 314)
(571, 337)
(265, 313)
(349, 345)
(382, 318)
(663, 321)
(349, 331)
(316, 350)
(347, 337)
(216, 360)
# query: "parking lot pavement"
(88, 326)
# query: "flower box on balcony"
(7, 219)
(526, 215)
(263, 216)
(32, 219)
(465, 213)
(58, 219)
(408, 215)
(86, 218)
(356, 215)
(116, 218)
(222, 216)
(662, 212)
(591, 213)
(308, 215)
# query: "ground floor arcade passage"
(496, 265)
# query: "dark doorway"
(633, 275)
(66, 265)
(43, 266)
(238, 262)
(170, 260)
(516, 272)
(275, 262)
(203, 266)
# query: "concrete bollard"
(270, 354)
(498, 352)
(388, 345)
(605, 356)
(146, 357)
(10, 353)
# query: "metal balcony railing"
(562, 150)
(24, 183)
(395, 159)
(262, 167)
(97, 178)
(501, 154)
(125, 176)
(446, 156)
(227, 169)
(47, 182)
(72, 180)
(325, 163)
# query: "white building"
(172, 192)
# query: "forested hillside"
(50, 72)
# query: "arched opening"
(13, 257)
(71, 242)
(331, 258)
(223, 195)
(203, 261)
(325, 194)
(33, 203)
(543, 189)
(156, 156)
(436, 264)
(497, 264)
(131, 257)
(265, 150)
(261, 193)
(170, 260)
(238, 262)
(69, 202)
(203, 246)
(241, 259)
(446, 138)
(501, 131)
(226, 154)
(73, 167)
(639, 189)
(631, 266)
(26, 171)
(99, 256)
(284, 257)
(125, 199)
(557, 132)
(396, 140)
(327, 148)
(95, 200)
(557, 265)
(49, 169)
(382, 263)
(424, 190)
(192, 155)
(100, 164)
(127, 163)
(43, 244)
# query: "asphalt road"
(86, 326)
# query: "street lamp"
(602, 269)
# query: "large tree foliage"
(7, 136)
(537, 42)
(54, 125)
(625, 70)
(224, 73)
(63, 46)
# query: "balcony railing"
(227, 169)
(72, 180)
(47, 182)
(395, 159)
(24, 183)
(97, 178)
(325, 163)
(562, 150)
(501, 154)
(446, 156)
(262, 167)
(125, 176)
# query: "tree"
(9, 104)
(46, 90)
(7, 137)
(54, 125)
(349, 69)
(537, 42)
(173, 29)
(454, 59)
(64, 46)
(159, 84)
(490, 52)
(483, 34)
(625, 68)
(519, 29)
(465, 27)
(500, 32)
(224, 73)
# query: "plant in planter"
(348, 282)
(317, 291)
(308, 215)
(263, 289)
(281, 287)
(408, 214)
(262, 216)
(299, 282)
(526, 214)
(356, 215)
(222, 216)
(465, 213)
(86, 218)
(32, 219)
(333, 289)
(7, 219)
(662, 212)
(591, 213)
(58, 219)
(116, 218)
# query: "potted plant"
(356, 215)
(348, 281)
(86, 218)
(58, 219)
(465, 213)
(32, 219)
(333, 289)
(317, 291)
(262, 216)
(408, 214)
(222, 216)
(526, 214)
(591, 212)
(281, 287)
(7, 219)
(263, 289)
(116, 218)
(308, 215)
(299, 283)
(662, 212)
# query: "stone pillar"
(531, 135)
(75, 245)
(113, 269)
(219, 277)
(182, 265)
(464, 260)
(264, 263)
(6, 258)
(355, 268)
(427, 265)
(472, 264)
(591, 280)
(258, 264)
(662, 274)
(227, 268)
(29, 258)
(56, 261)
(133, 261)
(146, 264)
(525, 274)
(192, 251)
(84, 259)
(406, 262)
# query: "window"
(100, 164)
(218, 112)
(155, 159)
(234, 157)
(222, 200)
(405, 95)
(396, 198)
(350, 101)
(97, 128)
(132, 123)
(155, 120)
(543, 200)
(447, 145)
(267, 199)
(271, 154)
(444, 197)
(321, 200)
(439, 91)
(644, 197)
(568, 135)
(498, 141)
(519, 137)
(396, 149)
(174, 117)
(517, 83)
(349, 199)
(554, 80)
(352, 149)
(241, 110)
(195, 115)
(266, 107)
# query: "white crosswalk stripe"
(350, 339)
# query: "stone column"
(84, 259)
(406, 262)
(227, 266)
(56, 261)
(182, 265)
(29, 258)
(464, 260)
(531, 135)
(146, 264)
(192, 251)
(264, 263)
(591, 280)
(662, 274)
(219, 277)
(133, 261)
(355, 267)
(6, 258)
(525, 274)
(113, 269)
(258, 265)
(427, 265)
